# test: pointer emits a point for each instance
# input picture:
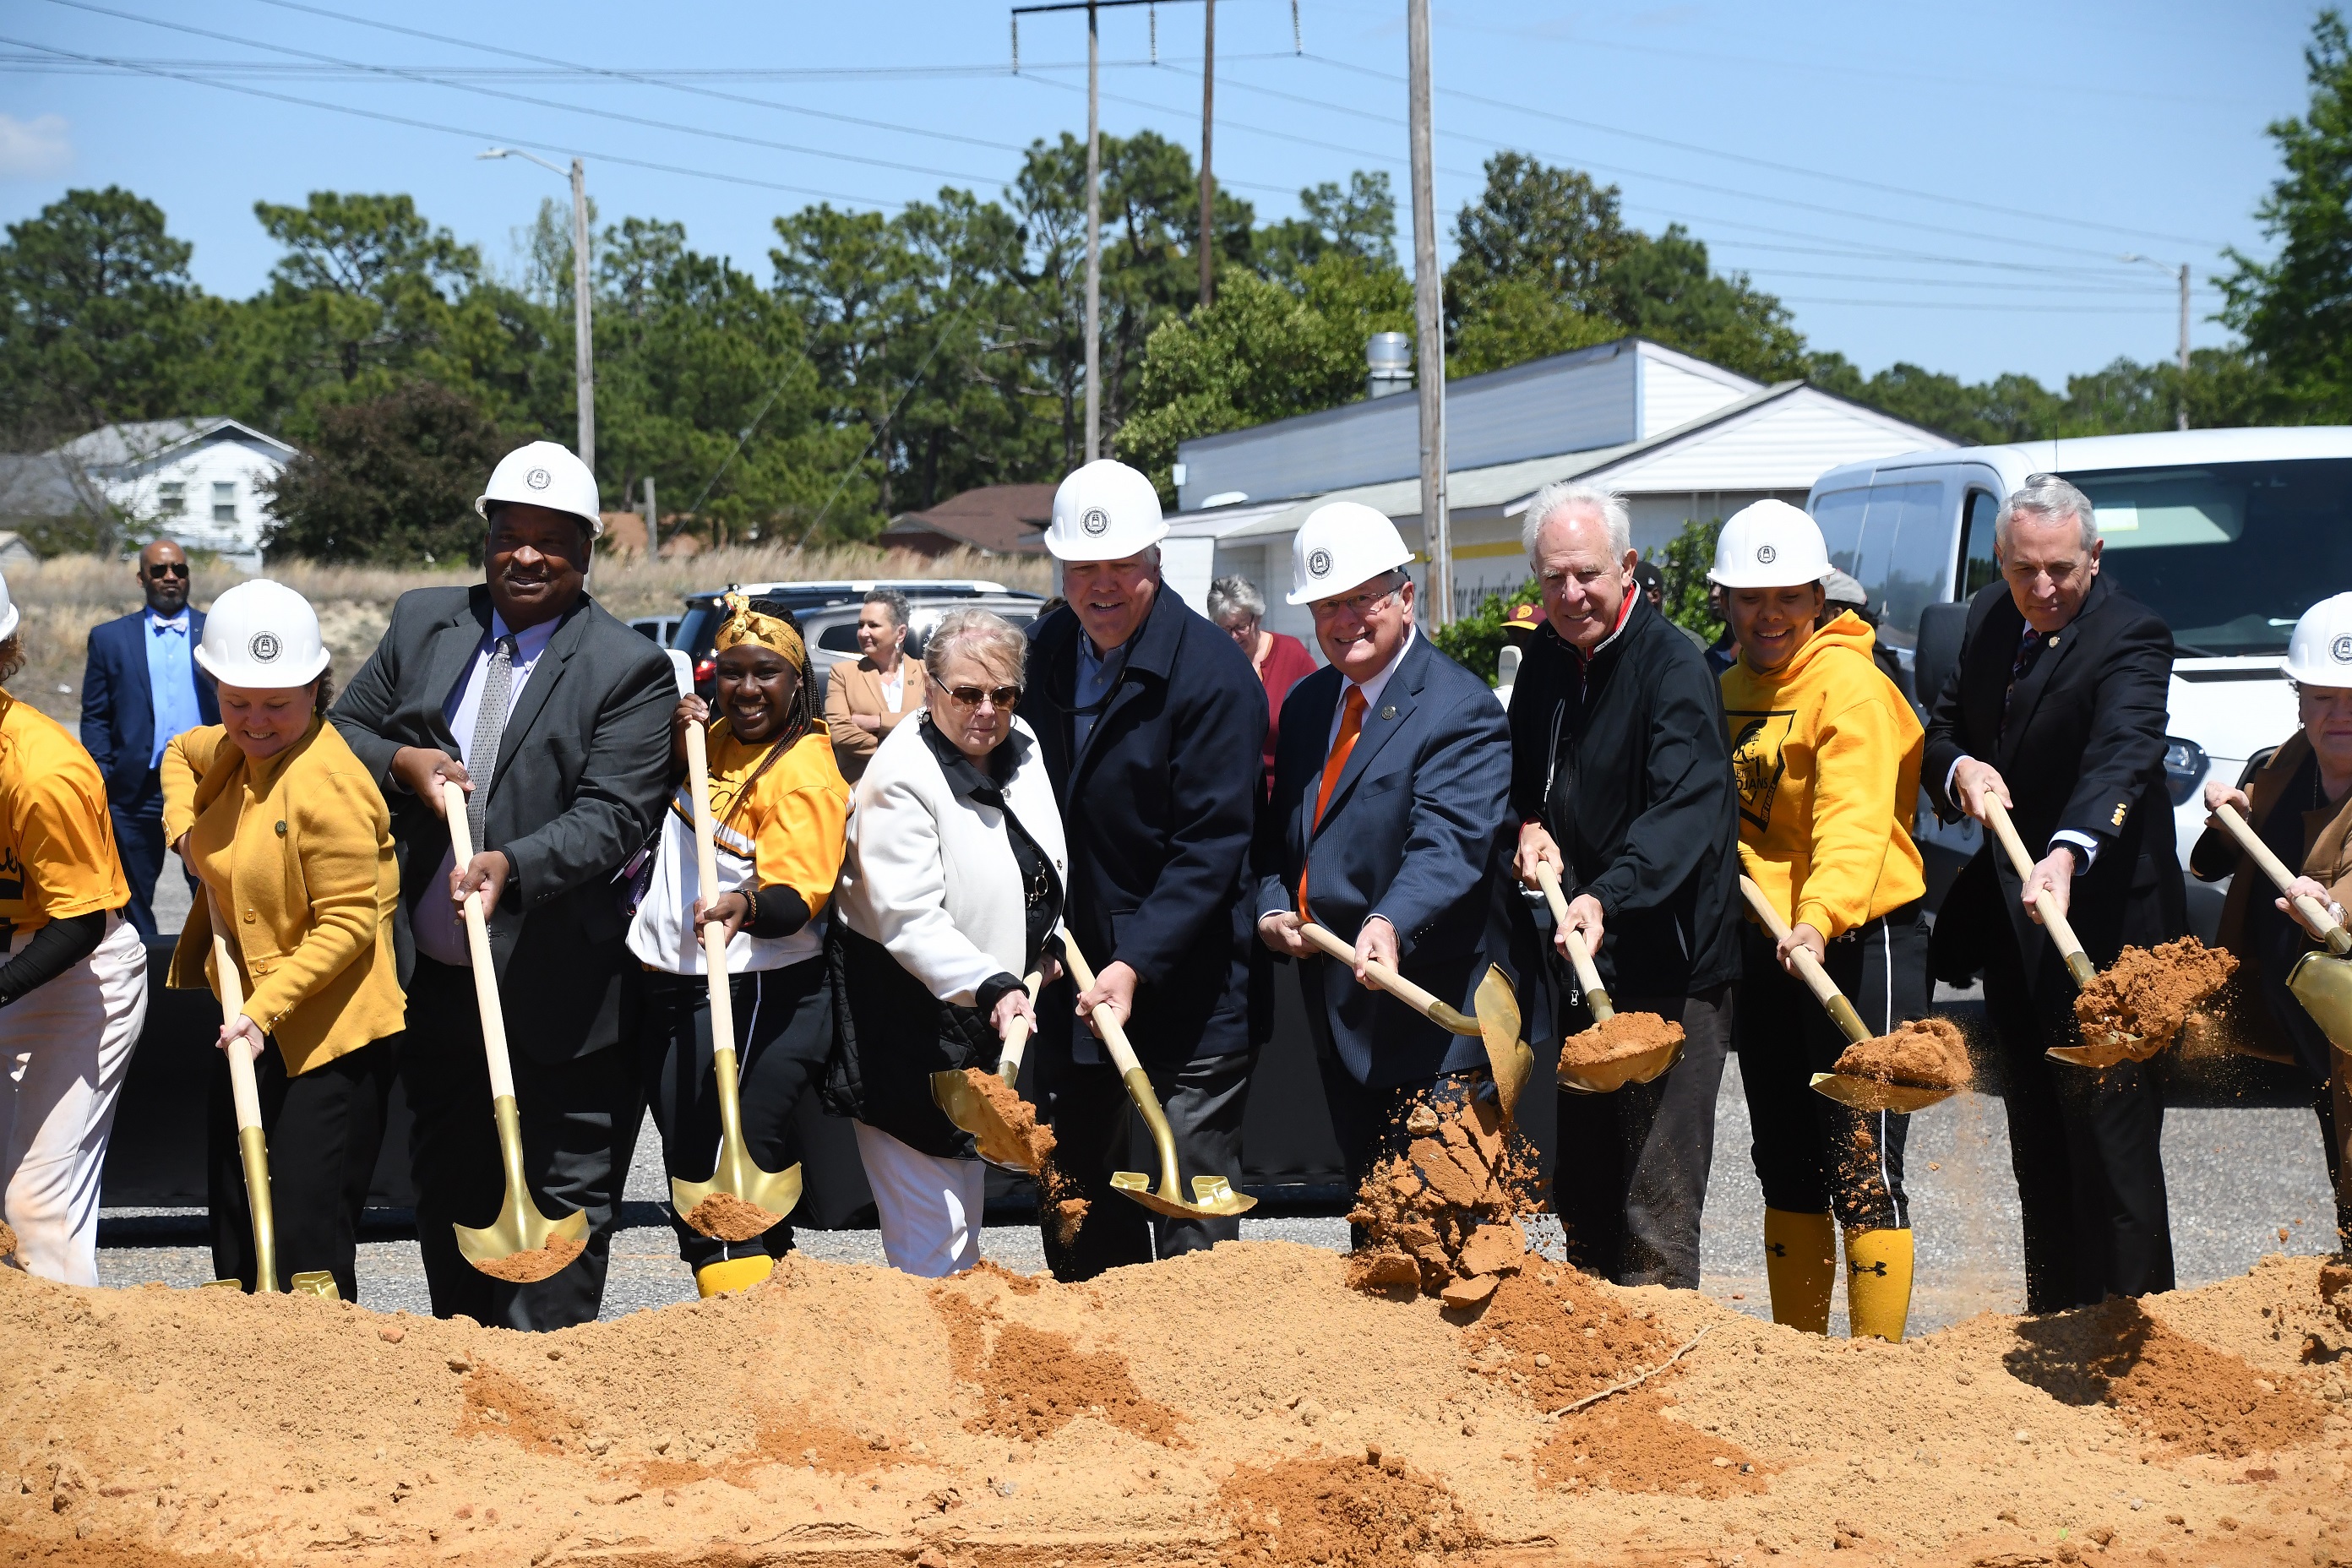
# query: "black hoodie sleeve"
(1690, 789)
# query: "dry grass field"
(63, 598)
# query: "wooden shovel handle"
(1016, 1039)
(1107, 1024)
(2078, 962)
(477, 948)
(706, 877)
(1386, 979)
(2338, 940)
(1809, 968)
(243, 1090)
(1579, 956)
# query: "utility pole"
(583, 333)
(1208, 180)
(1429, 318)
(2180, 272)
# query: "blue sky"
(1950, 185)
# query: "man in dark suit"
(554, 718)
(2056, 708)
(1390, 827)
(139, 688)
(1152, 724)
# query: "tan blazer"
(858, 689)
(299, 853)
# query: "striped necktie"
(489, 729)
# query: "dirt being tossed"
(1926, 1053)
(1618, 1037)
(723, 1216)
(1441, 1219)
(534, 1264)
(2150, 992)
(7, 1244)
(1058, 1193)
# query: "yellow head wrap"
(744, 624)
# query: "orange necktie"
(1351, 724)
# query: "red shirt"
(1288, 663)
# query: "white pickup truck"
(2230, 535)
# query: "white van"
(2230, 535)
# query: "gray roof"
(117, 446)
(36, 484)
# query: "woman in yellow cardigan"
(293, 842)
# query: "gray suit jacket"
(582, 780)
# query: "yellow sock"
(1801, 1264)
(1878, 1283)
(733, 1273)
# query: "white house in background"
(195, 481)
(1678, 437)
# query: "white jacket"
(930, 874)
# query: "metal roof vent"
(1388, 356)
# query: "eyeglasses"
(166, 569)
(973, 696)
(1357, 605)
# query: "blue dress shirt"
(171, 681)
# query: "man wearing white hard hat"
(1825, 751)
(1151, 724)
(554, 718)
(73, 990)
(2299, 799)
(1390, 827)
(2055, 709)
(1621, 780)
(292, 843)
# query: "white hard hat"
(2319, 652)
(8, 612)
(1769, 545)
(547, 473)
(1104, 511)
(1341, 544)
(262, 634)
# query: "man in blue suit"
(1390, 826)
(142, 687)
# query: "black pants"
(1631, 1177)
(784, 1025)
(138, 840)
(325, 1128)
(580, 1122)
(2086, 1148)
(1096, 1132)
(1812, 1154)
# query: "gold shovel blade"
(1611, 1077)
(1213, 1197)
(2323, 983)
(972, 1112)
(1511, 1058)
(520, 1246)
(762, 1199)
(2115, 1048)
(1869, 1094)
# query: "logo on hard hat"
(538, 478)
(2342, 649)
(1095, 521)
(1318, 562)
(264, 647)
(1766, 554)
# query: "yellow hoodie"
(1826, 754)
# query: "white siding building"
(1680, 438)
(194, 481)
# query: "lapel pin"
(1388, 709)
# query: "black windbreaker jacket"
(1630, 772)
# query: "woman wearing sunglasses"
(953, 879)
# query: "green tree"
(1664, 288)
(1556, 227)
(1359, 221)
(2295, 309)
(1475, 641)
(389, 480)
(1684, 564)
(1519, 320)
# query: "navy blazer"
(1418, 829)
(1158, 806)
(118, 705)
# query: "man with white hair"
(2056, 708)
(1621, 780)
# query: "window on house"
(170, 497)
(225, 501)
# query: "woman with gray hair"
(953, 879)
(867, 699)
(1281, 662)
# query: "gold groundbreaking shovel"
(1864, 1094)
(763, 1198)
(252, 1144)
(2078, 962)
(1497, 1022)
(2322, 982)
(972, 1111)
(522, 1244)
(1213, 1196)
(1639, 1068)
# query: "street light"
(584, 343)
(2182, 273)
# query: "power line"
(1958, 305)
(662, 77)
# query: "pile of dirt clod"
(1240, 1406)
(1926, 1053)
(535, 1263)
(726, 1217)
(1617, 1037)
(2150, 991)
(1442, 1217)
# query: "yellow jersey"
(58, 857)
